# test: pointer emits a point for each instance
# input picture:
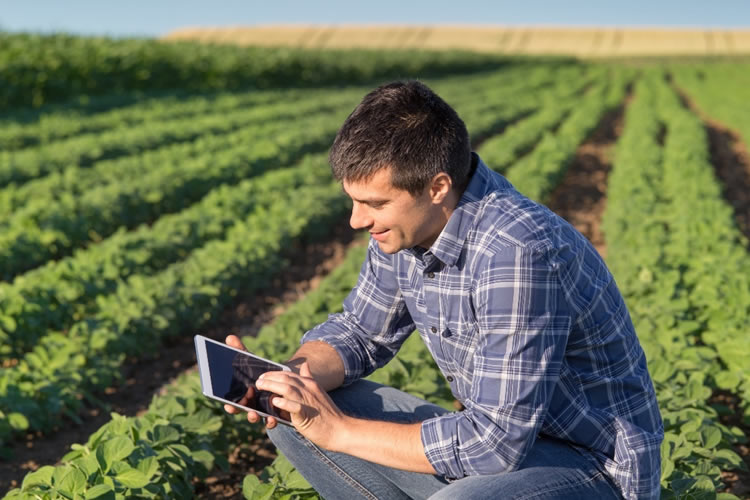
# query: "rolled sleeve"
(524, 324)
(374, 323)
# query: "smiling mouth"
(379, 235)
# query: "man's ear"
(440, 187)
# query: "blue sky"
(157, 17)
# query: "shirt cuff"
(438, 438)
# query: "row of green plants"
(51, 298)
(719, 291)
(25, 128)
(58, 213)
(76, 295)
(46, 229)
(37, 69)
(77, 180)
(651, 204)
(52, 125)
(401, 370)
(86, 149)
(22, 201)
(52, 380)
(183, 435)
(720, 91)
(537, 173)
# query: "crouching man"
(520, 313)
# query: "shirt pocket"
(458, 345)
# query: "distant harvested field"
(582, 42)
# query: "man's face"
(395, 219)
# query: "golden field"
(581, 42)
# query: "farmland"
(153, 191)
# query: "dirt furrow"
(580, 197)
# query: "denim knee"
(285, 438)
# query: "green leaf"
(711, 437)
(705, 484)
(202, 422)
(100, 492)
(43, 477)
(132, 478)
(69, 479)
(89, 463)
(682, 485)
(726, 496)
(117, 448)
(18, 421)
(148, 466)
(164, 434)
(728, 458)
(204, 457)
(295, 480)
(249, 485)
(727, 380)
(667, 467)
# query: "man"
(518, 310)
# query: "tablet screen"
(233, 375)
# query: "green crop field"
(148, 188)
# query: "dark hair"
(405, 126)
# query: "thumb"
(304, 370)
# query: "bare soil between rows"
(581, 196)
(145, 377)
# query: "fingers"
(270, 422)
(289, 389)
(287, 405)
(304, 370)
(234, 341)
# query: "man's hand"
(312, 411)
(252, 417)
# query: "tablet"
(229, 375)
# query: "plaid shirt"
(529, 328)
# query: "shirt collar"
(447, 247)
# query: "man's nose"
(359, 219)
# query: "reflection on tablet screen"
(233, 377)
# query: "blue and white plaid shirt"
(529, 328)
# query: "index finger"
(234, 341)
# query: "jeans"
(552, 469)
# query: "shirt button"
(449, 378)
(446, 334)
(433, 329)
(430, 275)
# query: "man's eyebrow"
(369, 201)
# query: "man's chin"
(385, 247)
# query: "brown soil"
(581, 196)
(146, 376)
(738, 482)
(249, 458)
